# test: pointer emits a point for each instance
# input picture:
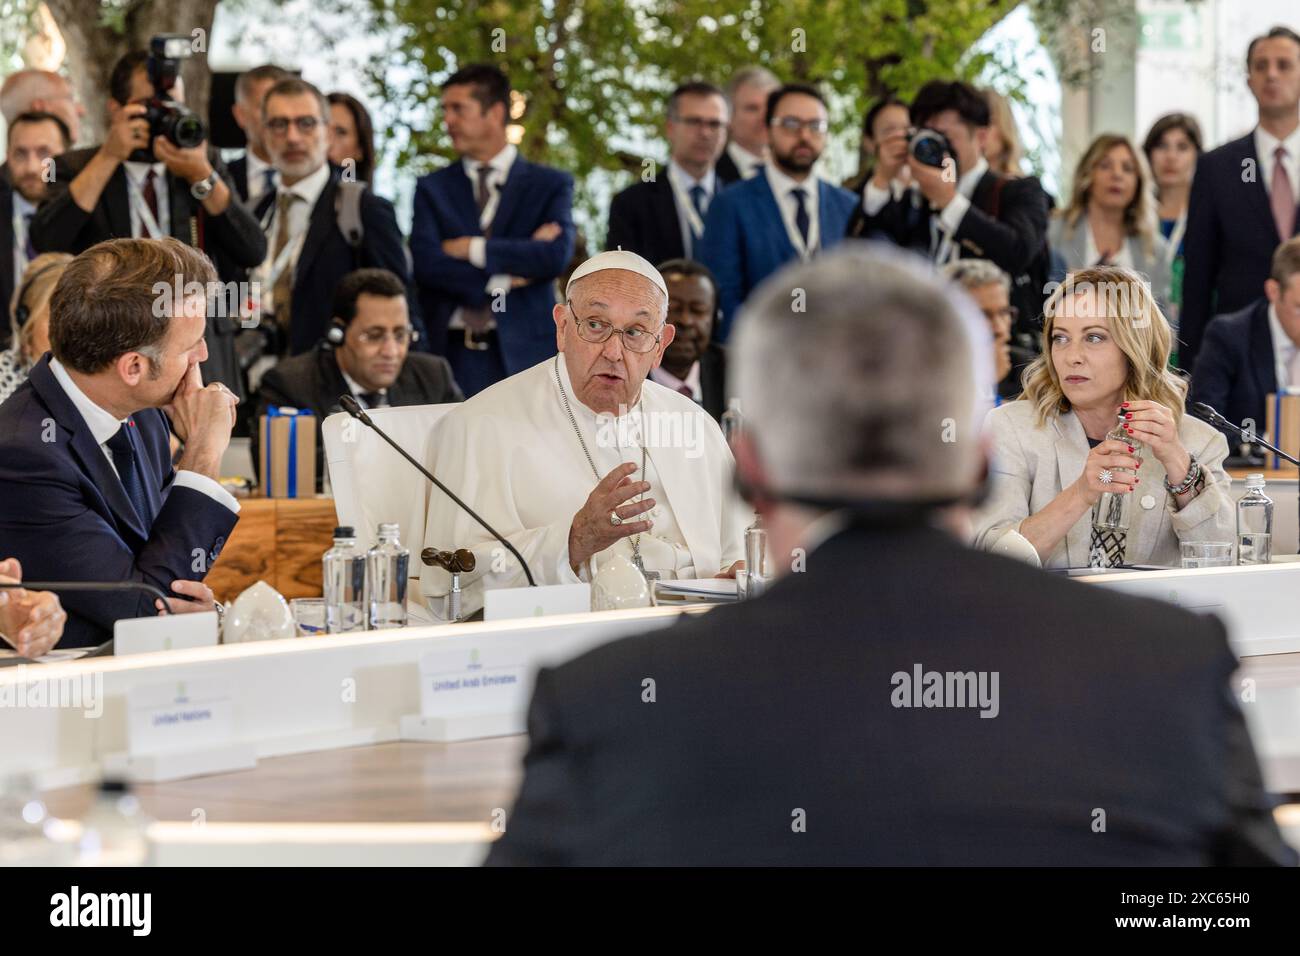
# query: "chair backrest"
(371, 482)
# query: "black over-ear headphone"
(21, 310)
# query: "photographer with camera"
(155, 176)
(957, 208)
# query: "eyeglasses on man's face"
(792, 124)
(306, 125)
(697, 123)
(378, 335)
(635, 337)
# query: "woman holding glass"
(1105, 365)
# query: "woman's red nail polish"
(1124, 405)
(1130, 447)
(1128, 415)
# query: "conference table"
(341, 749)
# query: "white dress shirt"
(357, 391)
(668, 380)
(23, 210)
(257, 177)
(1123, 258)
(1266, 145)
(500, 171)
(135, 175)
(949, 221)
(103, 426)
(782, 187)
(682, 183)
(1284, 351)
(746, 162)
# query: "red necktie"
(149, 195)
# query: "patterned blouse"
(13, 372)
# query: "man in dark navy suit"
(1244, 196)
(87, 487)
(894, 698)
(489, 236)
(785, 212)
(307, 254)
(1254, 352)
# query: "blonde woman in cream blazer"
(1105, 355)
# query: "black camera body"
(930, 147)
(166, 117)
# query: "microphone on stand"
(106, 648)
(1208, 414)
(91, 586)
(353, 408)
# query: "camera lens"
(183, 128)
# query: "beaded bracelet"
(1192, 477)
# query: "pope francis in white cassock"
(581, 455)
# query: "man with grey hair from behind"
(852, 714)
(42, 91)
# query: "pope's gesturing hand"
(593, 530)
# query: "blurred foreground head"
(863, 375)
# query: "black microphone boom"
(92, 586)
(1214, 418)
(353, 408)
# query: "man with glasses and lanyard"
(662, 217)
(135, 187)
(785, 213)
(580, 459)
(307, 254)
(366, 353)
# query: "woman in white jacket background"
(1105, 362)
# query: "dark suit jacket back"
(713, 380)
(1230, 240)
(65, 515)
(232, 240)
(775, 735)
(314, 381)
(326, 257)
(643, 219)
(1235, 371)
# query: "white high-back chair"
(371, 482)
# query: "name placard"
(179, 717)
(503, 603)
(474, 681)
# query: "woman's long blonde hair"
(33, 294)
(1138, 328)
(1004, 121)
(1140, 214)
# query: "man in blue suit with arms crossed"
(783, 213)
(87, 487)
(489, 235)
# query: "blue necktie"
(697, 199)
(27, 228)
(801, 220)
(269, 176)
(127, 462)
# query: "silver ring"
(1105, 477)
(614, 519)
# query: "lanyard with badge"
(693, 220)
(290, 251)
(814, 230)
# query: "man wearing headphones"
(366, 353)
(693, 363)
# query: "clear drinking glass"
(309, 616)
(1207, 554)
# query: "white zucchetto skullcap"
(618, 259)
